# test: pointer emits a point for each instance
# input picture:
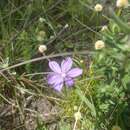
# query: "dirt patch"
(37, 110)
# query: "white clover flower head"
(98, 7)
(41, 36)
(67, 25)
(41, 20)
(122, 3)
(13, 73)
(116, 127)
(99, 45)
(104, 28)
(75, 108)
(81, 61)
(42, 48)
(77, 115)
(51, 37)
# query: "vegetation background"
(68, 28)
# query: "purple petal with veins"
(66, 64)
(58, 87)
(69, 82)
(54, 78)
(54, 66)
(74, 72)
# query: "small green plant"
(94, 33)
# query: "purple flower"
(62, 74)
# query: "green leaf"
(87, 102)
(121, 24)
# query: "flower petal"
(58, 87)
(66, 64)
(75, 72)
(54, 78)
(54, 66)
(69, 82)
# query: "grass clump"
(95, 34)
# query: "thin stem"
(75, 123)
(45, 57)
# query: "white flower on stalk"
(98, 7)
(99, 45)
(104, 28)
(122, 3)
(77, 115)
(41, 20)
(42, 48)
(41, 36)
(75, 108)
(67, 25)
(81, 61)
(116, 127)
(51, 37)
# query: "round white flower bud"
(77, 115)
(42, 48)
(81, 61)
(122, 3)
(116, 128)
(41, 20)
(98, 7)
(104, 28)
(51, 37)
(75, 108)
(67, 25)
(99, 45)
(41, 36)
